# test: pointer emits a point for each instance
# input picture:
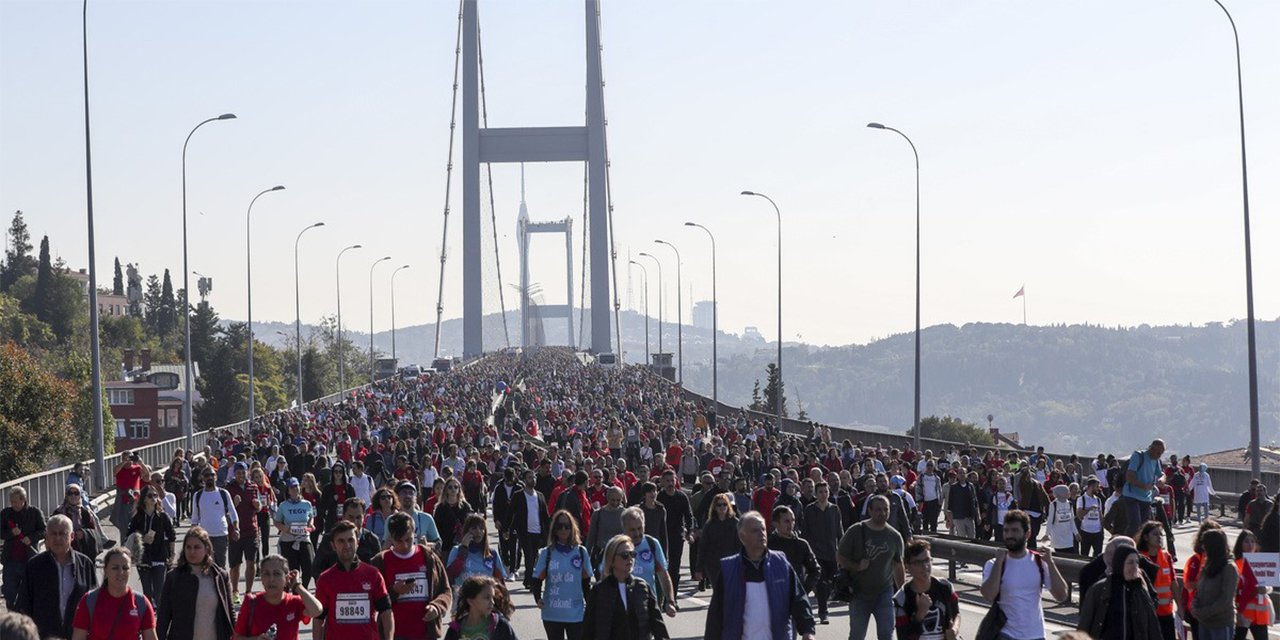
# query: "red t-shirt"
(115, 617)
(286, 616)
(409, 608)
(130, 477)
(248, 492)
(351, 600)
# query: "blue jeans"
(14, 572)
(1137, 512)
(861, 610)
(1215, 633)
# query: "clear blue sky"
(1087, 149)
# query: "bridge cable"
(582, 293)
(448, 181)
(488, 169)
(613, 249)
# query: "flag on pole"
(1021, 292)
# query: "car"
(410, 372)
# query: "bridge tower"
(524, 229)
(532, 144)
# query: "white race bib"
(353, 608)
(299, 529)
(419, 591)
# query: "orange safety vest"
(1164, 583)
(1258, 610)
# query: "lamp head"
(748, 193)
(690, 224)
(384, 258)
(278, 187)
(405, 267)
(356, 246)
(875, 125)
(318, 224)
(227, 116)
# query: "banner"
(1266, 568)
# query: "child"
(483, 607)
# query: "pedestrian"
(196, 593)
(22, 530)
(157, 534)
(483, 610)
(719, 537)
(55, 580)
(1119, 607)
(871, 552)
(1252, 602)
(1015, 579)
(606, 522)
(473, 556)
(758, 593)
(367, 544)
(294, 520)
(450, 515)
(212, 512)
(1214, 602)
(561, 577)
(383, 507)
(650, 561)
(929, 492)
(927, 608)
(353, 593)
(130, 475)
(1062, 532)
(679, 521)
(1201, 492)
(823, 527)
(528, 522)
(87, 531)
(622, 606)
(269, 503)
(1140, 485)
(416, 581)
(282, 606)
(1151, 544)
(99, 614)
(1088, 508)
(424, 525)
(962, 506)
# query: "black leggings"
(563, 630)
(1259, 632)
(303, 559)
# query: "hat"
(1061, 491)
(291, 482)
(240, 466)
(405, 484)
(897, 481)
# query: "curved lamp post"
(393, 309)
(248, 252)
(371, 268)
(679, 313)
(658, 262)
(715, 328)
(645, 284)
(778, 400)
(297, 305)
(342, 355)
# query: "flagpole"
(1024, 308)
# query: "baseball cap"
(291, 482)
(405, 484)
(240, 466)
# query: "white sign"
(1266, 568)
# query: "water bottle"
(271, 632)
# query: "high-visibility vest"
(1164, 582)
(1258, 609)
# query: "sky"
(1088, 150)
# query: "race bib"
(353, 608)
(299, 529)
(419, 591)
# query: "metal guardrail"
(958, 551)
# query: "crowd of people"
(609, 493)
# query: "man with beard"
(871, 551)
(354, 595)
(1014, 579)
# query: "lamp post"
(915, 432)
(1255, 462)
(645, 284)
(95, 351)
(248, 253)
(342, 356)
(297, 305)
(371, 268)
(187, 381)
(393, 309)
(777, 401)
(715, 327)
(679, 313)
(660, 292)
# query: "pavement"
(690, 622)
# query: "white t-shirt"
(1061, 524)
(1020, 596)
(1092, 521)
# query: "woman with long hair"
(267, 498)
(177, 483)
(383, 507)
(310, 491)
(1150, 542)
(719, 537)
(99, 614)
(473, 556)
(157, 535)
(451, 514)
(1214, 603)
(483, 612)
(1191, 574)
(564, 566)
(196, 593)
(1251, 598)
(607, 616)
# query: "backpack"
(570, 502)
(226, 507)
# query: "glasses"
(625, 555)
(73, 493)
(563, 526)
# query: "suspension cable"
(488, 169)
(582, 292)
(448, 181)
(608, 187)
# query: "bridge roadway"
(690, 622)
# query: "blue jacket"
(789, 609)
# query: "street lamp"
(916, 429)
(1255, 462)
(248, 253)
(393, 309)
(777, 401)
(342, 351)
(95, 351)
(679, 312)
(645, 284)
(715, 327)
(297, 305)
(188, 382)
(660, 292)
(371, 268)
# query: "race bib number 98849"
(352, 608)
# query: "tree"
(36, 410)
(774, 389)
(117, 283)
(39, 302)
(757, 404)
(168, 318)
(154, 302)
(17, 256)
(953, 430)
(204, 333)
(220, 389)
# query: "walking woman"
(283, 604)
(719, 538)
(294, 520)
(1119, 607)
(1214, 604)
(483, 612)
(156, 529)
(564, 566)
(1201, 490)
(98, 615)
(1150, 541)
(607, 616)
(267, 498)
(86, 531)
(450, 515)
(177, 483)
(473, 556)
(1251, 598)
(384, 506)
(196, 599)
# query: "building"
(109, 305)
(704, 314)
(147, 402)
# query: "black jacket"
(38, 593)
(30, 520)
(367, 546)
(606, 618)
(502, 502)
(518, 517)
(161, 549)
(177, 613)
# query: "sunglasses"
(73, 493)
(563, 525)
(625, 555)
